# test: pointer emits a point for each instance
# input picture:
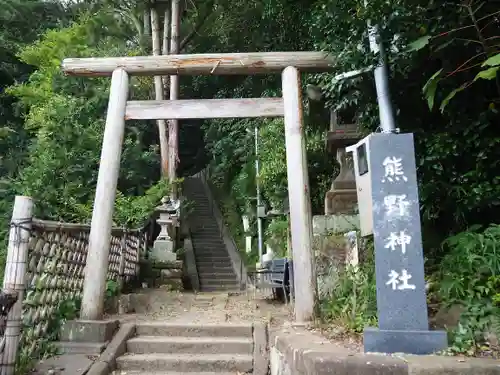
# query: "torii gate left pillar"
(249, 63)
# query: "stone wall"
(332, 248)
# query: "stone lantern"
(163, 247)
(342, 197)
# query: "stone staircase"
(215, 270)
(172, 349)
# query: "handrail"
(224, 233)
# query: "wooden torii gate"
(120, 109)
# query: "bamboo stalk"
(15, 278)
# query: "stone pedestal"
(163, 251)
(164, 245)
(169, 275)
(342, 196)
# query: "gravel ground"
(171, 306)
(186, 307)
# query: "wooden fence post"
(102, 217)
(299, 200)
(121, 268)
(15, 278)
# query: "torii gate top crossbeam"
(201, 64)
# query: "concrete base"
(97, 331)
(69, 364)
(297, 351)
(260, 349)
(409, 342)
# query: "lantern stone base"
(163, 251)
(167, 274)
(341, 201)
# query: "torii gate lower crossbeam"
(290, 106)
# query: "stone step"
(222, 276)
(212, 270)
(193, 330)
(218, 276)
(212, 282)
(214, 265)
(211, 254)
(210, 263)
(205, 241)
(119, 372)
(183, 345)
(209, 245)
(218, 271)
(88, 348)
(229, 289)
(219, 287)
(231, 285)
(208, 241)
(186, 362)
(212, 247)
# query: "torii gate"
(120, 109)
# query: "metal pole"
(381, 81)
(257, 183)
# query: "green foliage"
(470, 277)
(353, 301)
(112, 289)
(437, 43)
(135, 211)
(64, 117)
(277, 235)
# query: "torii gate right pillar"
(299, 199)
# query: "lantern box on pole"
(363, 183)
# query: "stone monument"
(386, 177)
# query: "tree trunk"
(147, 26)
(173, 125)
(166, 46)
(162, 126)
